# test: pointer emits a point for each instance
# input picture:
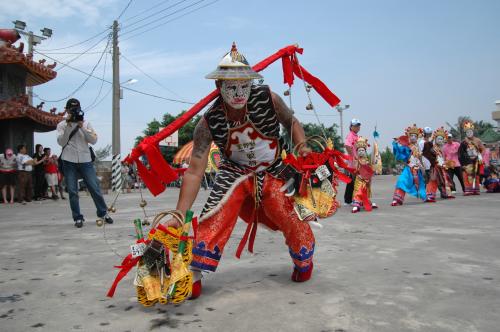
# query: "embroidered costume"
(249, 179)
(438, 175)
(469, 154)
(411, 179)
(363, 174)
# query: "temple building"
(18, 119)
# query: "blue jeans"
(87, 172)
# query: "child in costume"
(469, 155)
(411, 180)
(363, 173)
(438, 175)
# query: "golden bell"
(308, 88)
(113, 209)
(146, 222)
(99, 222)
(286, 93)
(309, 107)
(143, 203)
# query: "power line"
(124, 10)
(174, 19)
(82, 84)
(85, 52)
(155, 6)
(100, 101)
(77, 44)
(72, 53)
(149, 76)
(102, 84)
(109, 82)
(154, 14)
(162, 17)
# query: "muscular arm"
(194, 174)
(286, 118)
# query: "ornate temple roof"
(17, 108)
(37, 72)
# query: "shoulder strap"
(70, 136)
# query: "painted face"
(469, 133)
(440, 140)
(235, 93)
(361, 152)
(413, 138)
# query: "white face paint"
(413, 138)
(361, 152)
(235, 93)
(469, 133)
(440, 140)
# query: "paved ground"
(419, 267)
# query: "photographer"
(74, 135)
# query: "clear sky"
(395, 62)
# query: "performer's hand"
(173, 223)
(304, 150)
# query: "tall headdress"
(467, 124)
(440, 132)
(414, 130)
(234, 66)
(362, 142)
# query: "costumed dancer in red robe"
(438, 177)
(469, 155)
(364, 172)
(244, 123)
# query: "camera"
(74, 110)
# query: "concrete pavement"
(418, 267)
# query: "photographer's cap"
(427, 130)
(72, 103)
(355, 122)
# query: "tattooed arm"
(193, 176)
(290, 122)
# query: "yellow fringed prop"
(151, 288)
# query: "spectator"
(39, 174)
(126, 180)
(60, 180)
(24, 173)
(75, 134)
(450, 152)
(350, 140)
(8, 174)
(51, 172)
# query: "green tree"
(388, 159)
(313, 129)
(185, 133)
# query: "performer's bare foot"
(396, 203)
(355, 209)
(430, 200)
(298, 276)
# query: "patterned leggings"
(274, 210)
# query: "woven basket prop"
(316, 183)
(162, 273)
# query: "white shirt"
(22, 159)
(77, 150)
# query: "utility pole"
(29, 89)
(116, 176)
(341, 109)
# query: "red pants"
(275, 211)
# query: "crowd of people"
(432, 159)
(32, 177)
